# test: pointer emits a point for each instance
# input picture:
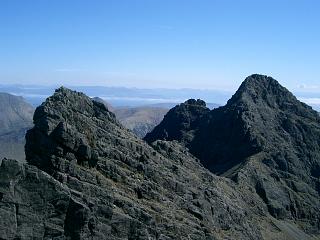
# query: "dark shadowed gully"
(88, 177)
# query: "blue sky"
(160, 43)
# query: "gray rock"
(33, 205)
(264, 138)
(134, 184)
(93, 179)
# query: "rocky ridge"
(105, 182)
(88, 177)
(264, 138)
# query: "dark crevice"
(76, 219)
(261, 192)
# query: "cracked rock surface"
(263, 138)
(88, 177)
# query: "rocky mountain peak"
(263, 137)
(260, 82)
(66, 129)
(179, 121)
(257, 85)
(197, 102)
(261, 91)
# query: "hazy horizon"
(133, 97)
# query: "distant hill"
(315, 107)
(108, 105)
(15, 120)
(140, 120)
(122, 96)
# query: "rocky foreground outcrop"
(263, 138)
(88, 177)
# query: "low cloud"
(315, 101)
(309, 87)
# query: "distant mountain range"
(121, 96)
(15, 119)
(135, 97)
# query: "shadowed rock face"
(93, 179)
(266, 138)
(261, 116)
(180, 123)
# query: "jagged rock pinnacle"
(65, 128)
(178, 121)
